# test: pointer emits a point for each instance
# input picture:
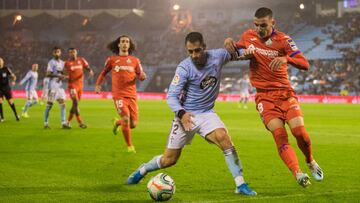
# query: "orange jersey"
(75, 69)
(277, 45)
(124, 70)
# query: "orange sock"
(126, 133)
(70, 117)
(303, 142)
(78, 118)
(285, 150)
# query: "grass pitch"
(92, 165)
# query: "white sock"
(239, 180)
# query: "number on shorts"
(175, 128)
(260, 107)
(119, 103)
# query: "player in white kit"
(245, 87)
(30, 81)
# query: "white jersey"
(55, 67)
(30, 81)
(244, 85)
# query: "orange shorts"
(75, 93)
(282, 104)
(126, 106)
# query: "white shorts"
(244, 94)
(205, 123)
(31, 95)
(56, 94)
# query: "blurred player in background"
(30, 81)
(74, 68)
(55, 70)
(192, 96)
(244, 91)
(5, 90)
(269, 52)
(124, 68)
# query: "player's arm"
(238, 50)
(140, 71)
(87, 67)
(173, 98)
(49, 71)
(12, 75)
(102, 75)
(292, 56)
(26, 78)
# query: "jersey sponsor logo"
(76, 67)
(208, 81)
(292, 45)
(253, 39)
(176, 80)
(266, 52)
(268, 42)
(127, 68)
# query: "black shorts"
(6, 93)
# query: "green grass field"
(92, 165)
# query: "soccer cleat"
(1, 120)
(135, 177)
(115, 126)
(17, 118)
(25, 115)
(245, 190)
(65, 126)
(316, 171)
(131, 149)
(46, 126)
(83, 125)
(303, 179)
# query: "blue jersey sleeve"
(26, 78)
(177, 85)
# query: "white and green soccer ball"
(161, 187)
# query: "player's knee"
(126, 120)
(223, 138)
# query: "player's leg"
(31, 100)
(49, 104)
(9, 98)
(122, 107)
(304, 143)
(177, 139)
(1, 108)
(60, 98)
(246, 99)
(214, 130)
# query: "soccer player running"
(192, 94)
(269, 52)
(55, 70)
(74, 68)
(244, 91)
(125, 68)
(5, 90)
(30, 81)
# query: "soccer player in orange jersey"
(269, 52)
(74, 67)
(124, 68)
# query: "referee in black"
(5, 90)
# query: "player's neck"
(123, 53)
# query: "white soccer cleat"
(316, 171)
(303, 179)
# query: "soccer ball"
(161, 187)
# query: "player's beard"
(262, 33)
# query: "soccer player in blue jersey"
(55, 71)
(30, 81)
(191, 96)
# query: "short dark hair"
(56, 48)
(194, 37)
(263, 12)
(114, 45)
(72, 48)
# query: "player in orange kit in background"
(74, 67)
(269, 52)
(124, 68)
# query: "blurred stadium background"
(327, 31)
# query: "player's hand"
(277, 62)
(248, 54)
(91, 74)
(142, 76)
(97, 89)
(187, 121)
(230, 46)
